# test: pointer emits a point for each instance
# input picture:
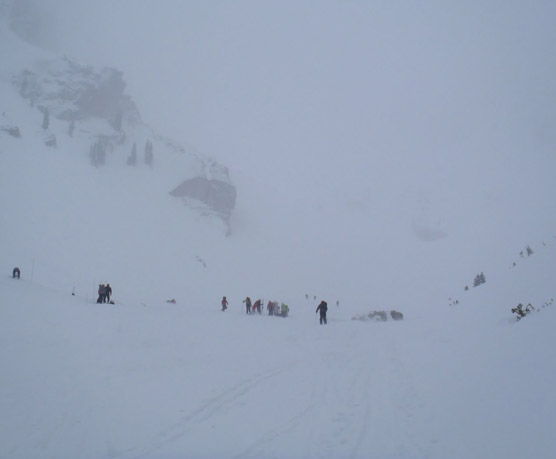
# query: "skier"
(224, 303)
(322, 307)
(16, 272)
(107, 293)
(257, 306)
(284, 310)
(247, 302)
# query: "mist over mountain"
(377, 156)
(376, 151)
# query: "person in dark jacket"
(322, 307)
(224, 303)
(100, 293)
(247, 302)
(104, 292)
(257, 306)
(16, 272)
(107, 293)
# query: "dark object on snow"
(380, 316)
(224, 303)
(257, 306)
(284, 309)
(322, 307)
(522, 312)
(396, 315)
(16, 273)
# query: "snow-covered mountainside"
(68, 106)
(452, 239)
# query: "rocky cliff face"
(75, 92)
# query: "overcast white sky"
(317, 77)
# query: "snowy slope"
(146, 378)
(168, 381)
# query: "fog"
(255, 80)
(370, 127)
(384, 154)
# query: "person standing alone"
(322, 307)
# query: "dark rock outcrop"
(218, 195)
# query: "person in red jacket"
(270, 308)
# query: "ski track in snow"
(361, 401)
(356, 396)
(362, 409)
(189, 422)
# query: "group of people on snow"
(257, 307)
(275, 310)
(104, 293)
